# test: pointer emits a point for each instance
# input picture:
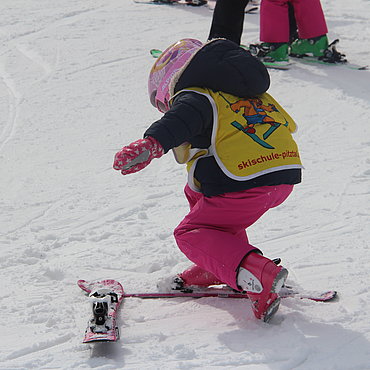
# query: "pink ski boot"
(194, 276)
(262, 281)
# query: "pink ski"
(226, 292)
(105, 297)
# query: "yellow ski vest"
(250, 137)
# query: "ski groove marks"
(40, 346)
(104, 64)
(14, 101)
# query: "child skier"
(241, 159)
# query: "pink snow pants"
(274, 19)
(213, 234)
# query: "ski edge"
(252, 10)
(172, 3)
(317, 297)
(313, 61)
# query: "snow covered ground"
(72, 92)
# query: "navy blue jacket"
(220, 65)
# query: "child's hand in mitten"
(137, 155)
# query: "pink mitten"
(137, 155)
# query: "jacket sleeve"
(190, 117)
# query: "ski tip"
(84, 285)
(88, 286)
(328, 296)
(155, 53)
(332, 295)
(355, 66)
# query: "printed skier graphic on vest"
(255, 112)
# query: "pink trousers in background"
(213, 234)
(274, 19)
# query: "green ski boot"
(273, 55)
(274, 52)
(309, 47)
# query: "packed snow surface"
(73, 80)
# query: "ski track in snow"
(72, 92)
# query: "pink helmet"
(166, 67)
